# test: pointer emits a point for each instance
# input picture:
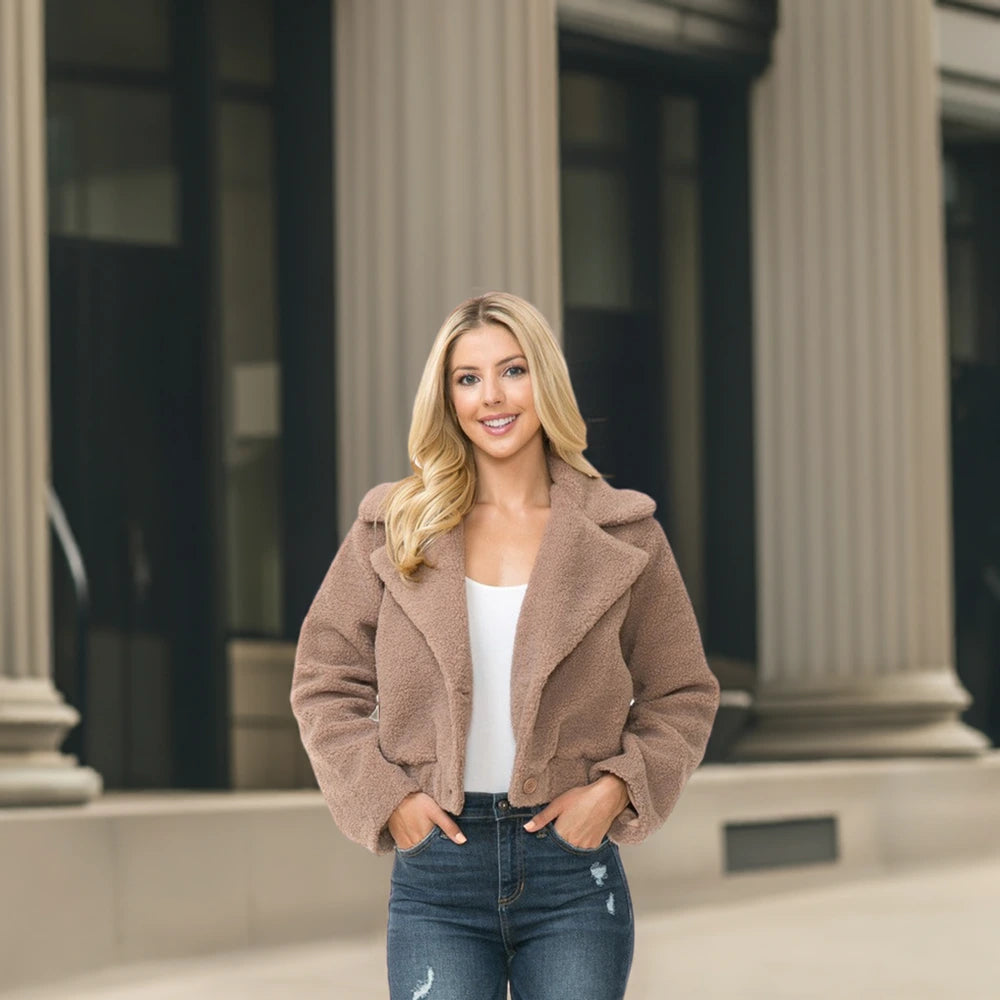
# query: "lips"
(499, 424)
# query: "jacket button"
(530, 786)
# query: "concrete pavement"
(925, 935)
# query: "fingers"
(447, 825)
(408, 824)
(551, 811)
(543, 818)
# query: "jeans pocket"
(420, 846)
(565, 845)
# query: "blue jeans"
(529, 909)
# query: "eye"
(515, 370)
(466, 379)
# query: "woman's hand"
(416, 816)
(583, 815)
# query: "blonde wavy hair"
(442, 487)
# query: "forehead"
(485, 345)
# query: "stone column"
(33, 717)
(447, 185)
(851, 391)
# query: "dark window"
(131, 386)
(972, 216)
(191, 271)
(656, 286)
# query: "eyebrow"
(473, 368)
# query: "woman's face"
(490, 388)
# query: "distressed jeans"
(530, 910)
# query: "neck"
(514, 483)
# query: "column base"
(902, 715)
(46, 779)
(33, 716)
(34, 721)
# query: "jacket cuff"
(634, 823)
(381, 841)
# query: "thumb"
(543, 818)
(448, 826)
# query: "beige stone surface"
(922, 936)
(182, 888)
(447, 185)
(851, 426)
(141, 877)
(34, 718)
(61, 883)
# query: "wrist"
(615, 789)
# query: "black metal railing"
(81, 591)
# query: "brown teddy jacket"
(608, 674)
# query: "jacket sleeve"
(334, 692)
(675, 695)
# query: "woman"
(542, 691)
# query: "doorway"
(131, 381)
(190, 183)
(972, 216)
(657, 311)
(127, 386)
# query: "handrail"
(81, 589)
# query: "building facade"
(766, 233)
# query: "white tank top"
(489, 752)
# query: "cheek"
(527, 399)
(462, 407)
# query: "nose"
(492, 392)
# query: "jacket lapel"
(579, 573)
(435, 603)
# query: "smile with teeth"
(499, 423)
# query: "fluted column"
(33, 717)
(447, 185)
(851, 391)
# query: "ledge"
(736, 33)
(145, 876)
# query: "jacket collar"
(601, 503)
(598, 501)
(580, 571)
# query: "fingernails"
(530, 826)
(459, 838)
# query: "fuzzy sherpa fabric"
(608, 673)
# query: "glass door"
(656, 291)
(972, 219)
(127, 388)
